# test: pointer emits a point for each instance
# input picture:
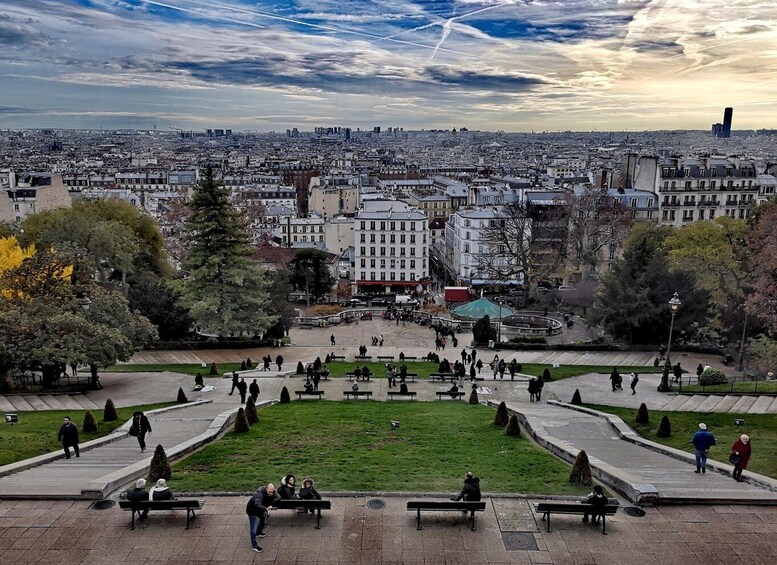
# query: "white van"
(405, 300)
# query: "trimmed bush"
(243, 365)
(473, 398)
(285, 398)
(109, 412)
(160, 466)
(664, 428)
(90, 424)
(642, 416)
(249, 363)
(576, 400)
(300, 368)
(581, 470)
(519, 367)
(181, 397)
(501, 417)
(712, 377)
(241, 422)
(513, 429)
(546, 375)
(482, 330)
(214, 369)
(251, 414)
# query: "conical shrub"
(90, 424)
(249, 363)
(241, 422)
(285, 398)
(243, 365)
(642, 416)
(109, 412)
(501, 417)
(473, 398)
(581, 470)
(181, 396)
(251, 414)
(546, 375)
(664, 428)
(576, 400)
(300, 368)
(214, 369)
(512, 428)
(160, 466)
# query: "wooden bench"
(352, 376)
(307, 504)
(442, 377)
(301, 393)
(190, 505)
(409, 377)
(446, 506)
(408, 358)
(363, 357)
(445, 394)
(357, 393)
(579, 508)
(385, 357)
(411, 394)
(337, 357)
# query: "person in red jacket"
(741, 448)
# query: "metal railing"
(766, 386)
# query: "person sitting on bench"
(308, 492)
(454, 389)
(355, 386)
(139, 494)
(597, 499)
(403, 387)
(160, 491)
(471, 490)
(308, 386)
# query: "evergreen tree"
(285, 398)
(214, 369)
(226, 291)
(181, 396)
(310, 272)
(546, 374)
(501, 417)
(473, 398)
(251, 414)
(482, 330)
(90, 424)
(513, 429)
(160, 466)
(664, 428)
(581, 470)
(249, 363)
(109, 412)
(241, 422)
(300, 368)
(576, 400)
(642, 416)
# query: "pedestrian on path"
(242, 388)
(633, 383)
(258, 508)
(332, 339)
(139, 428)
(740, 455)
(235, 380)
(279, 361)
(267, 360)
(702, 440)
(615, 379)
(540, 384)
(253, 390)
(68, 435)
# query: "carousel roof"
(482, 307)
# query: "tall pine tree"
(226, 291)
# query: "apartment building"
(27, 193)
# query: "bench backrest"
(445, 505)
(288, 503)
(575, 507)
(160, 504)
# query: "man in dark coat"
(68, 435)
(235, 380)
(257, 509)
(253, 390)
(471, 490)
(279, 361)
(242, 388)
(139, 428)
(139, 494)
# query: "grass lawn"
(423, 368)
(186, 369)
(762, 429)
(350, 446)
(739, 386)
(36, 432)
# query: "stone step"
(69, 402)
(84, 403)
(53, 402)
(19, 403)
(709, 404)
(692, 403)
(726, 403)
(761, 405)
(5, 405)
(773, 408)
(676, 403)
(36, 402)
(743, 404)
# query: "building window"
(634, 202)
(362, 239)
(372, 276)
(412, 263)
(712, 183)
(382, 226)
(362, 251)
(363, 265)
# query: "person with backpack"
(139, 428)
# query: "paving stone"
(761, 405)
(743, 404)
(53, 402)
(726, 403)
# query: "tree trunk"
(49, 375)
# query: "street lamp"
(84, 302)
(674, 305)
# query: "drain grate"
(519, 541)
(634, 511)
(376, 504)
(103, 504)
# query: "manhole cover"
(103, 504)
(376, 504)
(519, 540)
(634, 511)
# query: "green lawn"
(36, 432)
(423, 368)
(739, 386)
(350, 446)
(187, 369)
(762, 429)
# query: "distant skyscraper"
(727, 115)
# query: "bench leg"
(604, 525)
(132, 525)
(189, 513)
(418, 519)
(318, 518)
(546, 517)
(472, 519)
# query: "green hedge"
(712, 377)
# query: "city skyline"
(492, 65)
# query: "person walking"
(740, 455)
(332, 339)
(702, 440)
(615, 378)
(242, 388)
(279, 361)
(471, 490)
(633, 382)
(253, 390)
(139, 428)
(68, 435)
(235, 380)
(258, 508)
(538, 390)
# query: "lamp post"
(674, 305)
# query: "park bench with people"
(579, 508)
(357, 393)
(442, 377)
(305, 504)
(309, 393)
(447, 394)
(410, 394)
(362, 377)
(363, 357)
(446, 506)
(141, 506)
(337, 357)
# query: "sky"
(263, 65)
